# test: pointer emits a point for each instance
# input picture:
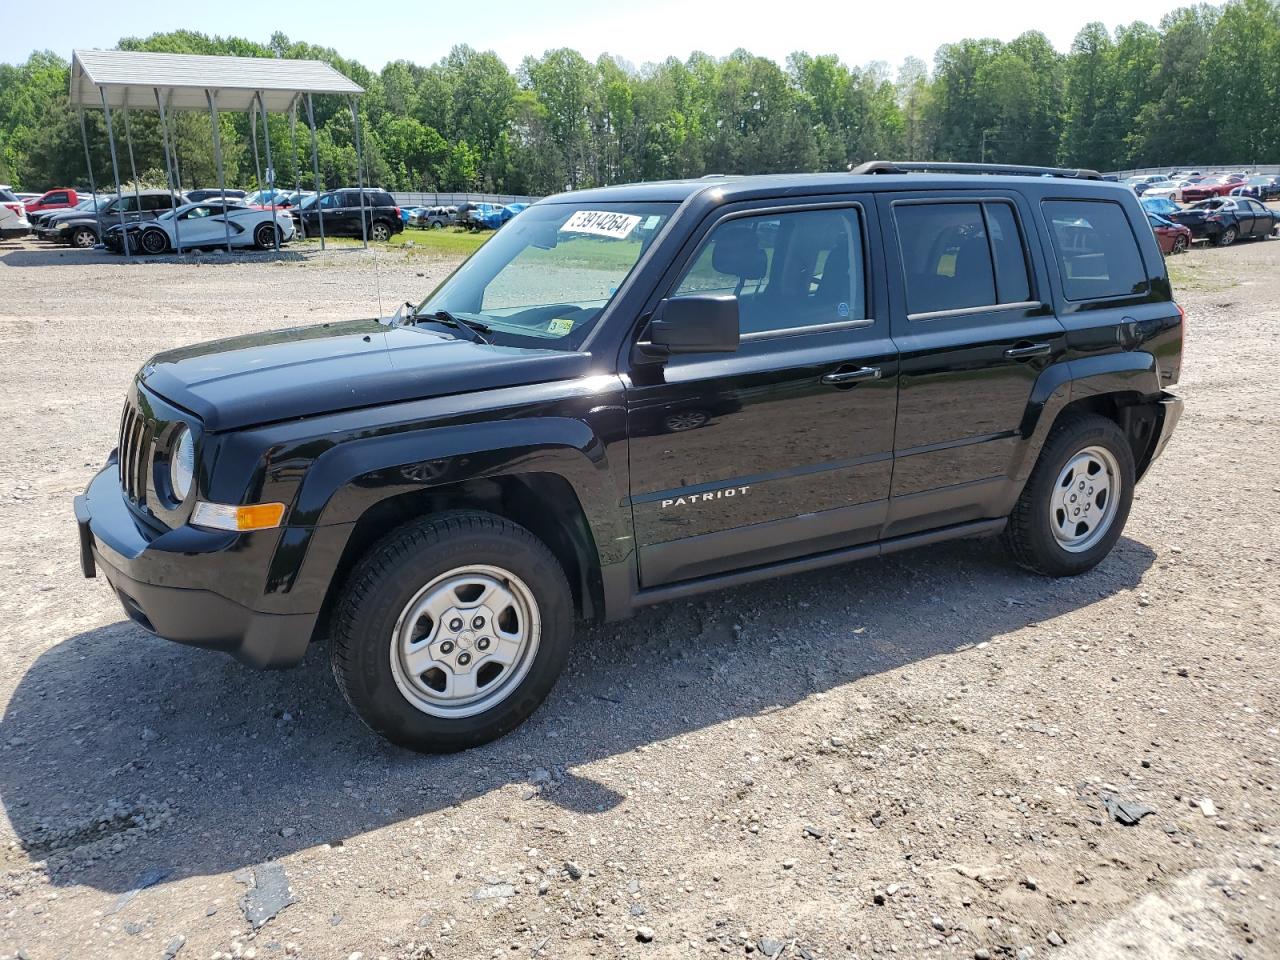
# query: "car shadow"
(122, 754)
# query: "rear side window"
(788, 270)
(957, 256)
(1097, 252)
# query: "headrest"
(737, 252)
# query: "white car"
(13, 216)
(1172, 190)
(206, 225)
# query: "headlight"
(64, 226)
(182, 465)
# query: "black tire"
(1029, 535)
(1228, 237)
(83, 237)
(380, 231)
(264, 237)
(153, 242)
(393, 573)
(1181, 244)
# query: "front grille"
(137, 449)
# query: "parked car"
(1173, 237)
(445, 493)
(1170, 190)
(46, 226)
(262, 198)
(63, 198)
(1142, 184)
(206, 225)
(197, 196)
(13, 221)
(511, 209)
(81, 228)
(1160, 206)
(481, 216)
(341, 210)
(1224, 220)
(1260, 188)
(1211, 187)
(437, 218)
(10, 201)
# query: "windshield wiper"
(474, 328)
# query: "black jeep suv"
(635, 394)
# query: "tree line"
(1201, 87)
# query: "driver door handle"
(1025, 351)
(841, 377)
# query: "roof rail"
(891, 166)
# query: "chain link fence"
(411, 199)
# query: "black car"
(341, 210)
(1260, 188)
(84, 228)
(199, 196)
(1224, 220)
(636, 394)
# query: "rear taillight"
(1182, 321)
(17, 208)
(397, 210)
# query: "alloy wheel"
(1085, 499)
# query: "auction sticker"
(602, 223)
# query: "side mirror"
(700, 323)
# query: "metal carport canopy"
(130, 78)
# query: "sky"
(375, 32)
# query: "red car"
(61, 198)
(1211, 187)
(1172, 237)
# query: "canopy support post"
(115, 172)
(315, 166)
(355, 126)
(253, 135)
(168, 169)
(297, 169)
(133, 169)
(271, 171)
(212, 97)
(88, 162)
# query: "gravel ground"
(901, 757)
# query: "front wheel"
(83, 237)
(451, 631)
(153, 242)
(1180, 244)
(1076, 501)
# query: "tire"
(264, 236)
(153, 242)
(439, 562)
(380, 232)
(83, 237)
(1180, 244)
(437, 224)
(1038, 535)
(1228, 237)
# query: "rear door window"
(958, 256)
(1096, 248)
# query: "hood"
(304, 371)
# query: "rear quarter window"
(1096, 249)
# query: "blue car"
(1160, 206)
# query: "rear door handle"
(1027, 350)
(851, 376)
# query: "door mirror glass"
(699, 323)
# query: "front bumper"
(152, 573)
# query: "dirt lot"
(897, 758)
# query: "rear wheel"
(452, 631)
(380, 232)
(1228, 237)
(1076, 501)
(265, 236)
(83, 238)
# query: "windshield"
(545, 277)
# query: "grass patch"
(437, 243)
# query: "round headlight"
(182, 464)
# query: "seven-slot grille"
(137, 447)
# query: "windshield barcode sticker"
(601, 223)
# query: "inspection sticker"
(560, 326)
(602, 223)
